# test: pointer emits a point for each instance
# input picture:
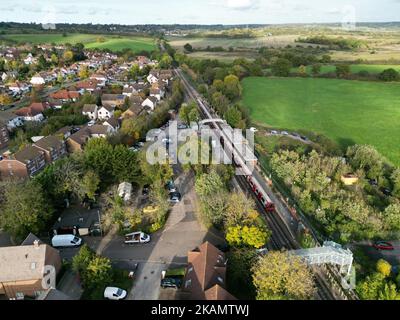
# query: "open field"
(275, 41)
(224, 56)
(348, 112)
(114, 43)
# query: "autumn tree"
(23, 208)
(283, 276)
(250, 236)
(232, 87)
(384, 267)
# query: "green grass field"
(114, 43)
(348, 112)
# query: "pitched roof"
(28, 154)
(112, 97)
(206, 270)
(65, 95)
(49, 143)
(98, 129)
(113, 122)
(89, 108)
(25, 262)
(33, 110)
(218, 293)
(108, 107)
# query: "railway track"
(281, 237)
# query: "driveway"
(168, 248)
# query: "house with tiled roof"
(24, 269)
(23, 164)
(34, 112)
(65, 95)
(105, 112)
(90, 110)
(205, 277)
(53, 147)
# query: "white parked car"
(252, 129)
(112, 293)
(91, 123)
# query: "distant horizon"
(205, 24)
(205, 12)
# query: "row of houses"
(24, 268)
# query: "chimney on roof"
(36, 243)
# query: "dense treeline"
(363, 211)
(334, 43)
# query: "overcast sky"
(198, 11)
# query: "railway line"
(282, 235)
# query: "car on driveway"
(382, 245)
(113, 293)
(171, 283)
(146, 190)
(171, 186)
(175, 197)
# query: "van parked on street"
(65, 241)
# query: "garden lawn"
(348, 112)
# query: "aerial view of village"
(232, 150)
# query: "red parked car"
(381, 245)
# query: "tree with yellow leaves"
(384, 267)
(283, 276)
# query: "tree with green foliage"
(189, 112)
(23, 208)
(366, 158)
(281, 67)
(188, 47)
(232, 87)
(389, 75)
(283, 276)
(234, 118)
(316, 69)
(343, 70)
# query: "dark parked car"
(146, 190)
(175, 197)
(171, 283)
(381, 245)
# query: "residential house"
(112, 123)
(136, 99)
(101, 79)
(77, 141)
(34, 112)
(133, 111)
(64, 132)
(150, 102)
(90, 110)
(23, 268)
(65, 95)
(158, 93)
(205, 277)
(29, 59)
(53, 147)
(23, 164)
(105, 112)
(38, 80)
(87, 85)
(114, 100)
(18, 87)
(153, 77)
(4, 137)
(11, 120)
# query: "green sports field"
(114, 43)
(348, 112)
